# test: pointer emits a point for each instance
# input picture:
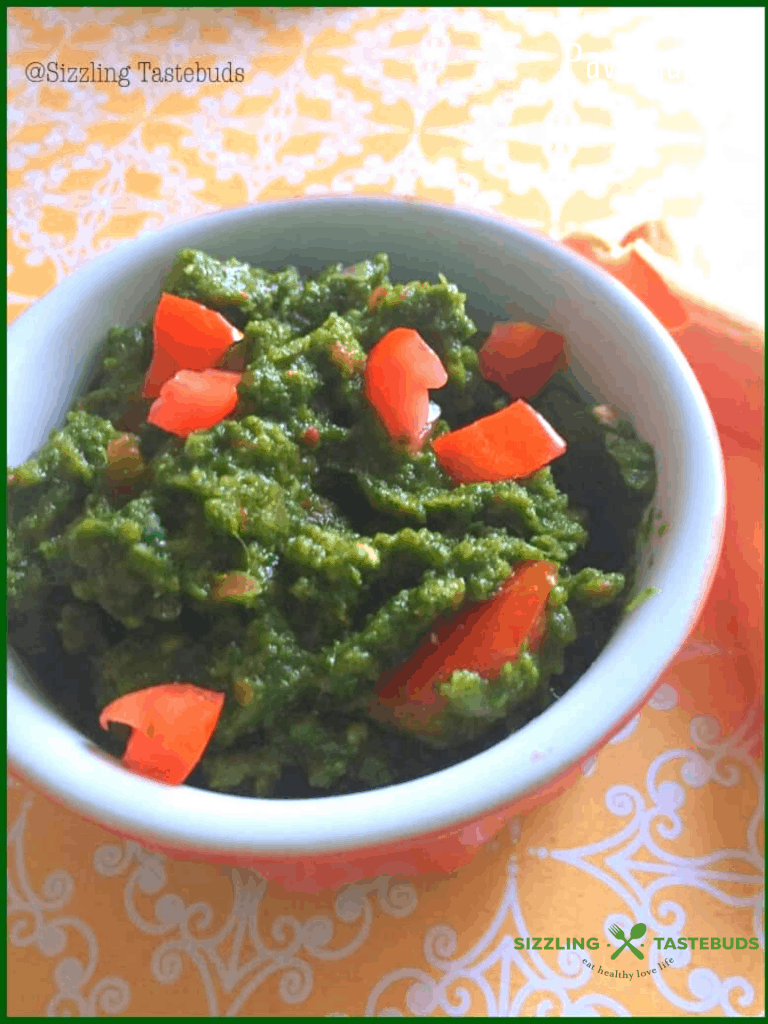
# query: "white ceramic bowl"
(620, 354)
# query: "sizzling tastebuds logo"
(632, 941)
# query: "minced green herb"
(123, 540)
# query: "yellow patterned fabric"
(589, 120)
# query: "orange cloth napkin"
(720, 670)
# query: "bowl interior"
(620, 354)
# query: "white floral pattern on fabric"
(252, 959)
(624, 861)
(526, 978)
(31, 924)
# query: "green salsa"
(291, 575)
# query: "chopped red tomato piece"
(521, 357)
(376, 296)
(399, 370)
(172, 724)
(482, 638)
(194, 400)
(506, 445)
(187, 336)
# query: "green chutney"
(290, 574)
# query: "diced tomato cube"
(481, 638)
(521, 358)
(172, 724)
(195, 400)
(506, 445)
(400, 369)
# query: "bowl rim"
(78, 774)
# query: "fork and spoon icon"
(637, 932)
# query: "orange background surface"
(568, 120)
